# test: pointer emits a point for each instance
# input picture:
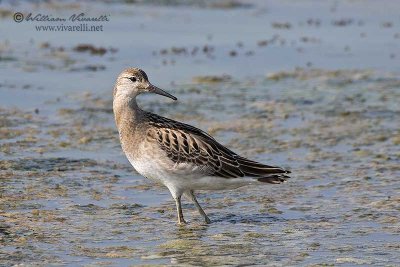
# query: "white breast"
(146, 167)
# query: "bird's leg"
(181, 221)
(201, 211)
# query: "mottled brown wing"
(184, 143)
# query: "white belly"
(174, 179)
(181, 177)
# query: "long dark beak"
(156, 90)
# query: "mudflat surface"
(310, 86)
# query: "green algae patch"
(212, 79)
(107, 252)
(341, 77)
(254, 235)
(180, 244)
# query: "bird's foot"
(182, 222)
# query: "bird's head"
(134, 81)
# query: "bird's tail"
(263, 173)
(274, 179)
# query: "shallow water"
(313, 87)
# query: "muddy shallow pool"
(313, 87)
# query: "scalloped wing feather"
(184, 143)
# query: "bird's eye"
(133, 79)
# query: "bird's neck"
(126, 111)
